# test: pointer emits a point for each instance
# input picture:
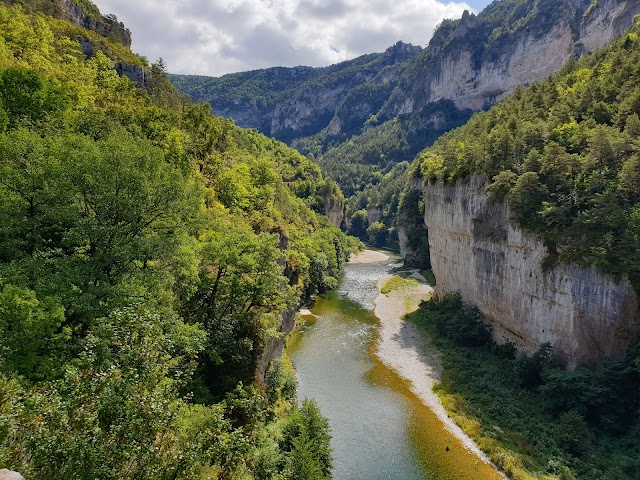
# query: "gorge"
(155, 258)
(471, 63)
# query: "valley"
(417, 263)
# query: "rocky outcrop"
(85, 15)
(334, 211)
(530, 58)
(106, 26)
(606, 20)
(477, 251)
(137, 74)
(275, 346)
(87, 47)
(10, 475)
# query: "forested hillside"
(329, 103)
(565, 154)
(148, 252)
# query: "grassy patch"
(398, 282)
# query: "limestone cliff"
(477, 60)
(107, 26)
(137, 74)
(275, 346)
(412, 233)
(498, 267)
(606, 20)
(334, 211)
(82, 13)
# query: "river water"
(380, 429)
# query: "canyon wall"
(476, 78)
(477, 251)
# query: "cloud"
(214, 37)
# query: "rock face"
(275, 346)
(87, 47)
(334, 211)
(498, 267)
(530, 59)
(606, 20)
(474, 65)
(107, 26)
(10, 475)
(137, 74)
(84, 15)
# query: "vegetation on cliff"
(83, 13)
(147, 252)
(565, 155)
(380, 123)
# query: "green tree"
(377, 234)
(307, 439)
(240, 292)
(359, 224)
(526, 196)
(27, 96)
(32, 340)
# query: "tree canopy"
(147, 252)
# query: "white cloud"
(214, 37)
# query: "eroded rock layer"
(477, 251)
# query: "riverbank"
(403, 348)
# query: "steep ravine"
(476, 250)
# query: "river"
(380, 428)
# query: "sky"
(214, 37)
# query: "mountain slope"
(292, 103)
(468, 65)
(152, 257)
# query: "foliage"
(564, 153)
(307, 439)
(147, 252)
(581, 424)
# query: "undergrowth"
(533, 418)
